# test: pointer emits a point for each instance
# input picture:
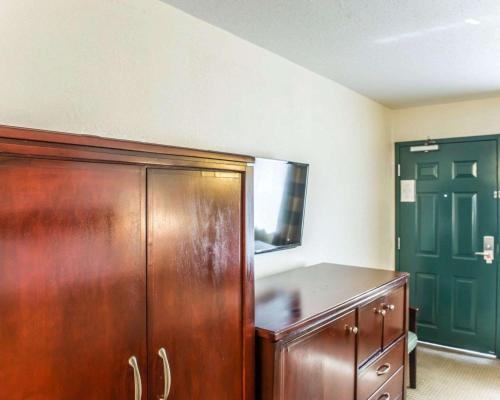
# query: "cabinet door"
(322, 365)
(73, 284)
(394, 321)
(195, 283)
(370, 323)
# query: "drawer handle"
(385, 396)
(389, 307)
(352, 329)
(380, 312)
(384, 369)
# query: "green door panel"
(440, 233)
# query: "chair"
(412, 347)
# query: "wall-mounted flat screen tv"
(279, 204)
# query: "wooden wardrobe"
(126, 270)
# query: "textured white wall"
(465, 118)
(142, 70)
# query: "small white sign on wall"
(408, 191)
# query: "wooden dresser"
(332, 332)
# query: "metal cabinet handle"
(352, 329)
(384, 369)
(381, 312)
(137, 377)
(385, 396)
(389, 307)
(167, 376)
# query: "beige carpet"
(451, 376)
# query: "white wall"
(465, 118)
(142, 70)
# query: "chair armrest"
(413, 319)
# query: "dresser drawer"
(375, 374)
(392, 389)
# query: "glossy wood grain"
(268, 366)
(392, 389)
(297, 357)
(66, 141)
(73, 284)
(380, 370)
(248, 285)
(371, 325)
(195, 291)
(294, 299)
(86, 221)
(322, 365)
(394, 320)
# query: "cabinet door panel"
(322, 366)
(370, 323)
(195, 283)
(73, 284)
(394, 321)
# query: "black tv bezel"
(298, 243)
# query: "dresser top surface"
(294, 298)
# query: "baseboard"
(457, 350)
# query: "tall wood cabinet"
(126, 270)
(194, 291)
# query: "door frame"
(465, 139)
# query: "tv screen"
(279, 203)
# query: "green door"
(442, 221)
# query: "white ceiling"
(398, 52)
